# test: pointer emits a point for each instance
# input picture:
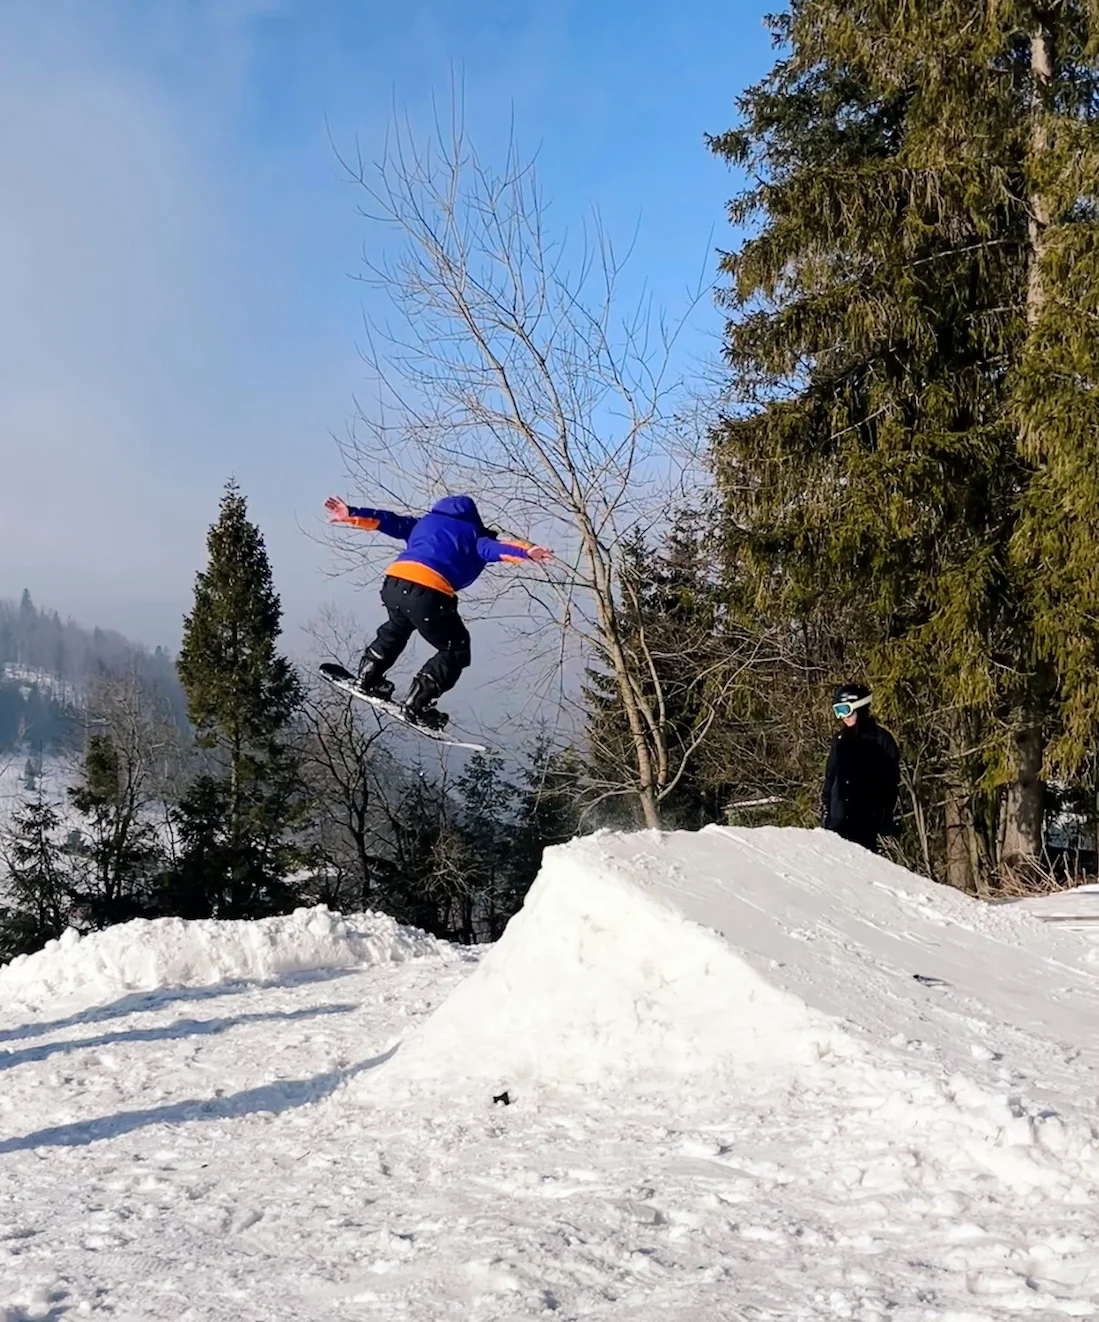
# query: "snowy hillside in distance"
(57, 773)
(750, 1074)
(31, 677)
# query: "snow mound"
(601, 971)
(150, 954)
(957, 1042)
(760, 953)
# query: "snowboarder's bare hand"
(540, 554)
(338, 510)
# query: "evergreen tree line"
(905, 461)
(903, 487)
(277, 794)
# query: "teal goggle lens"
(843, 709)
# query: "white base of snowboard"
(397, 712)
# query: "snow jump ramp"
(765, 955)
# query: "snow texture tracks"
(254, 1150)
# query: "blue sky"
(176, 246)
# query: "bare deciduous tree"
(132, 771)
(511, 373)
(343, 758)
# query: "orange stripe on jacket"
(413, 572)
(514, 541)
(367, 525)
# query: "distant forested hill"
(47, 666)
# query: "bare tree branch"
(511, 368)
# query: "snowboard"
(344, 680)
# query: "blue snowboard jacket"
(447, 548)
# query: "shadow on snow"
(144, 1002)
(268, 1098)
(181, 1028)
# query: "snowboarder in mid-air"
(446, 552)
(862, 777)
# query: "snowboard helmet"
(848, 699)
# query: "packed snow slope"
(750, 1074)
(1077, 908)
(761, 953)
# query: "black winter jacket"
(861, 782)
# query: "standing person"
(863, 775)
(446, 551)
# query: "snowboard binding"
(419, 707)
(371, 678)
(377, 688)
(431, 718)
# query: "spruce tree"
(242, 697)
(37, 896)
(883, 313)
(198, 884)
(551, 789)
(485, 812)
(119, 851)
(671, 633)
(1056, 377)
(420, 872)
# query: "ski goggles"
(843, 709)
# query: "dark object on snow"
(929, 981)
(503, 1097)
(862, 778)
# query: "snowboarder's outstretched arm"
(493, 550)
(370, 520)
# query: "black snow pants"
(413, 608)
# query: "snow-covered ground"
(1077, 908)
(58, 773)
(751, 1075)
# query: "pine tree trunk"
(362, 855)
(1024, 809)
(1041, 68)
(959, 855)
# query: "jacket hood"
(458, 507)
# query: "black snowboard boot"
(372, 678)
(420, 706)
